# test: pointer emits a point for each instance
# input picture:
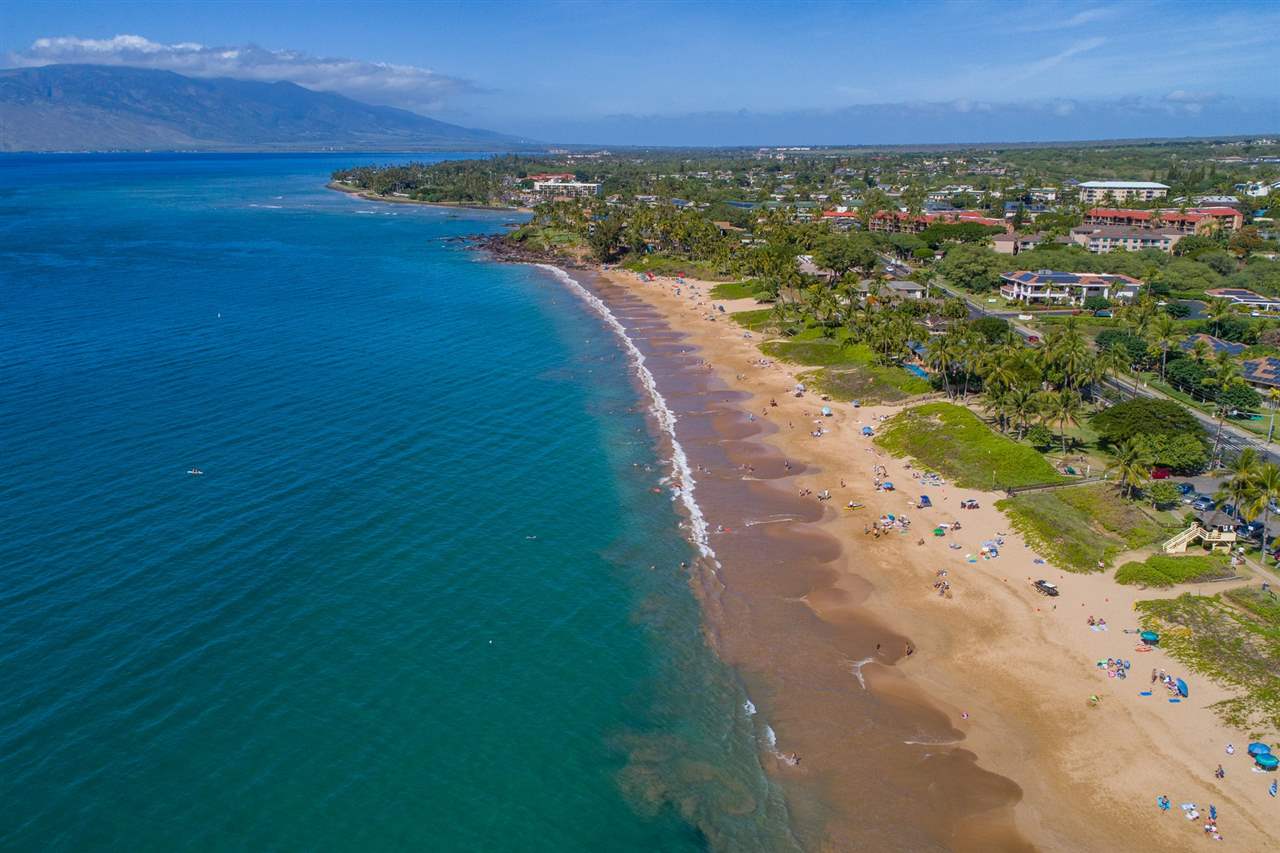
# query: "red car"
(1160, 473)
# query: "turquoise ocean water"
(344, 635)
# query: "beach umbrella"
(1257, 749)
(1266, 761)
(826, 411)
(1151, 638)
(1182, 687)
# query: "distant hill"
(101, 108)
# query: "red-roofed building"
(891, 221)
(841, 219)
(1190, 221)
(560, 177)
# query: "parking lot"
(1208, 486)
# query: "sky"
(718, 73)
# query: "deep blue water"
(341, 636)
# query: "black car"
(1045, 588)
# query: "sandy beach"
(996, 677)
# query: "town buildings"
(1101, 239)
(1193, 220)
(1049, 287)
(563, 185)
(1092, 192)
(1244, 298)
(1013, 243)
(891, 221)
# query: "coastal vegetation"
(952, 440)
(1163, 570)
(1083, 528)
(1232, 637)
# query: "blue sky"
(718, 73)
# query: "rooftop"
(1262, 371)
(1069, 279)
(1124, 185)
(1215, 344)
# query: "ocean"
(427, 592)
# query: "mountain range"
(112, 108)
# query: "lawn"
(1081, 526)
(757, 320)
(1166, 570)
(668, 266)
(849, 372)
(738, 290)
(1233, 638)
(954, 441)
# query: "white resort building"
(1095, 191)
(1048, 287)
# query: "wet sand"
(856, 745)
(818, 617)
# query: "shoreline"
(1080, 777)
(456, 205)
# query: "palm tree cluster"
(1049, 384)
(1252, 487)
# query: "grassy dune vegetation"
(1079, 527)
(1233, 637)
(1163, 570)
(954, 441)
(848, 371)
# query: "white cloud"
(407, 86)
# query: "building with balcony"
(1193, 220)
(1101, 239)
(1050, 287)
(1095, 191)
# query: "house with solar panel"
(1262, 373)
(1238, 296)
(1215, 345)
(1050, 287)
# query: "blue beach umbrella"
(1266, 761)
(1256, 749)
(1151, 638)
(1182, 687)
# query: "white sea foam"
(681, 473)
(681, 478)
(857, 666)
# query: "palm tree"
(1133, 463)
(1164, 333)
(1241, 485)
(1200, 350)
(1267, 483)
(941, 358)
(1273, 397)
(1113, 361)
(1021, 405)
(1226, 375)
(1219, 310)
(1063, 408)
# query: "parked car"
(1203, 503)
(1160, 472)
(1186, 489)
(1033, 339)
(1252, 530)
(1045, 588)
